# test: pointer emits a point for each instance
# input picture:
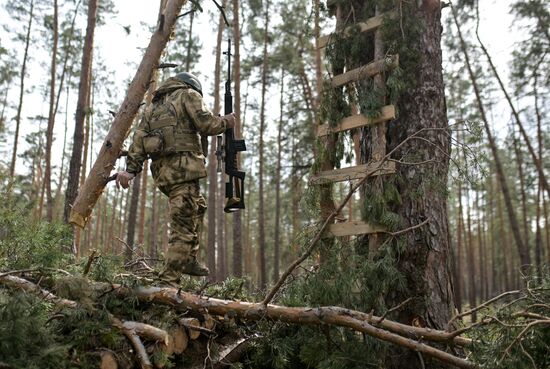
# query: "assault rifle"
(227, 149)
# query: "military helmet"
(191, 80)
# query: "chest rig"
(170, 129)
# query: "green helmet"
(191, 80)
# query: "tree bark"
(21, 91)
(81, 109)
(514, 224)
(92, 188)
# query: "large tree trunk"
(21, 90)
(426, 258)
(261, 204)
(92, 188)
(51, 119)
(81, 108)
(237, 216)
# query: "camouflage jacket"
(173, 121)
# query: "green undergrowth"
(38, 334)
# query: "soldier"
(169, 135)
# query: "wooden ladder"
(387, 113)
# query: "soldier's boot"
(195, 268)
(170, 278)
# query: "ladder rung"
(357, 121)
(351, 173)
(352, 228)
(364, 71)
(370, 25)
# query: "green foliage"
(25, 244)
(26, 337)
(507, 340)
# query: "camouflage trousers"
(187, 209)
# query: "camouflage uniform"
(169, 135)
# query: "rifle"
(228, 149)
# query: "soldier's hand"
(123, 179)
(229, 120)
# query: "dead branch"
(222, 10)
(479, 307)
(412, 228)
(521, 334)
(393, 309)
(93, 256)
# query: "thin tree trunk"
(514, 224)
(237, 216)
(63, 154)
(471, 261)
(504, 246)
(212, 159)
(521, 175)
(132, 219)
(481, 253)
(21, 91)
(81, 109)
(51, 119)
(261, 205)
(276, 246)
(458, 259)
(153, 235)
(220, 225)
(490, 210)
(143, 203)
(540, 194)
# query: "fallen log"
(402, 335)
